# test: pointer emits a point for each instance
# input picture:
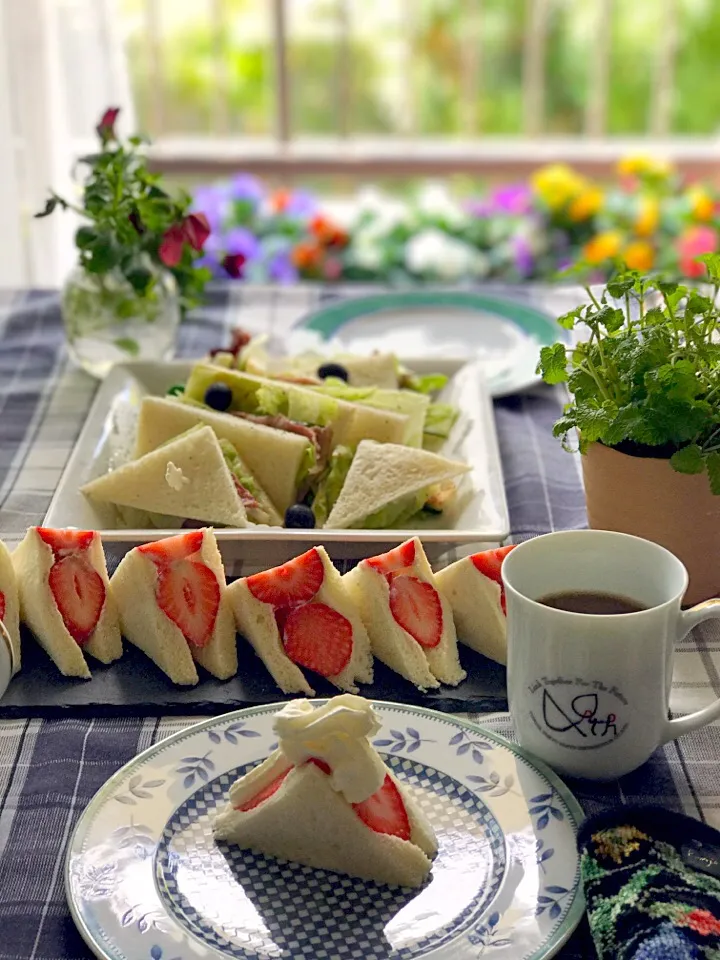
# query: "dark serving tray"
(134, 686)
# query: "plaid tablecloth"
(50, 769)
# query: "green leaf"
(593, 423)
(688, 459)
(85, 237)
(618, 288)
(128, 345)
(552, 365)
(140, 279)
(667, 287)
(655, 316)
(103, 254)
(611, 318)
(712, 461)
(712, 264)
(568, 320)
(50, 204)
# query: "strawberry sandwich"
(325, 799)
(174, 606)
(409, 622)
(9, 604)
(475, 590)
(65, 597)
(300, 615)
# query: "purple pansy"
(245, 187)
(523, 255)
(212, 201)
(513, 200)
(280, 267)
(241, 240)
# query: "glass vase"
(107, 321)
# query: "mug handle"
(710, 610)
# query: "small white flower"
(435, 201)
(366, 251)
(432, 251)
(175, 478)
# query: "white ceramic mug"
(589, 693)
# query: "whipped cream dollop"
(337, 733)
(174, 477)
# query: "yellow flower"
(639, 255)
(586, 204)
(648, 216)
(617, 843)
(556, 184)
(701, 203)
(641, 165)
(603, 246)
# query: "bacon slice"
(319, 437)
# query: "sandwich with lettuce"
(382, 485)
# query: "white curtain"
(61, 64)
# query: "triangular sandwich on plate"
(300, 615)
(280, 460)
(263, 397)
(408, 620)
(325, 799)
(65, 597)
(474, 589)
(173, 606)
(10, 604)
(194, 476)
(387, 484)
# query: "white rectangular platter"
(478, 516)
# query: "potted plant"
(644, 383)
(137, 247)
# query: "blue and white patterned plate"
(146, 880)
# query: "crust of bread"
(8, 588)
(475, 603)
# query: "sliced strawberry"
(2, 605)
(319, 638)
(325, 767)
(384, 811)
(189, 594)
(296, 581)
(64, 542)
(264, 794)
(398, 559)
(489, 563)
(173, 548)
(416, 607)
(79, 592)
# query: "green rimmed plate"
(504, 334)
(145, 879)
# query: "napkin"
(652, 885)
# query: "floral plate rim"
(556, 939)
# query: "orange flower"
(604, 246)
(648, 216)
(586, 204)
(639, 255)
(691, 244)
(701, 203)
(280, 200)
(307, 256)
(702, 921)
(328, 234)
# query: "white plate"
(505, 335)
(480, 514)
(145, 879)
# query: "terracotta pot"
(649, 499)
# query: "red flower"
(327, 233)
(106, 128)
(702, 921)
(196, 229)
(171, 247)
(233, 264)
(693, 242)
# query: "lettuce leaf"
(307, 465)
(425, 383)
(396, 513)
(271, 400)
(235, 465)
(332, 483)
(440, 419)
(412, 405)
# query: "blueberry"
(336, 370)
(301, 516)
(218, 396)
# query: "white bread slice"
(204, 490)
(426, 667)
(274, 457)
(256, 622)
(382, 473)
(477, 611)
(146, 626)
(32, 560)
(308, 822)
(9, 591)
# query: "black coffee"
(590, 601)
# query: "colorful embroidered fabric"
(649, 885)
